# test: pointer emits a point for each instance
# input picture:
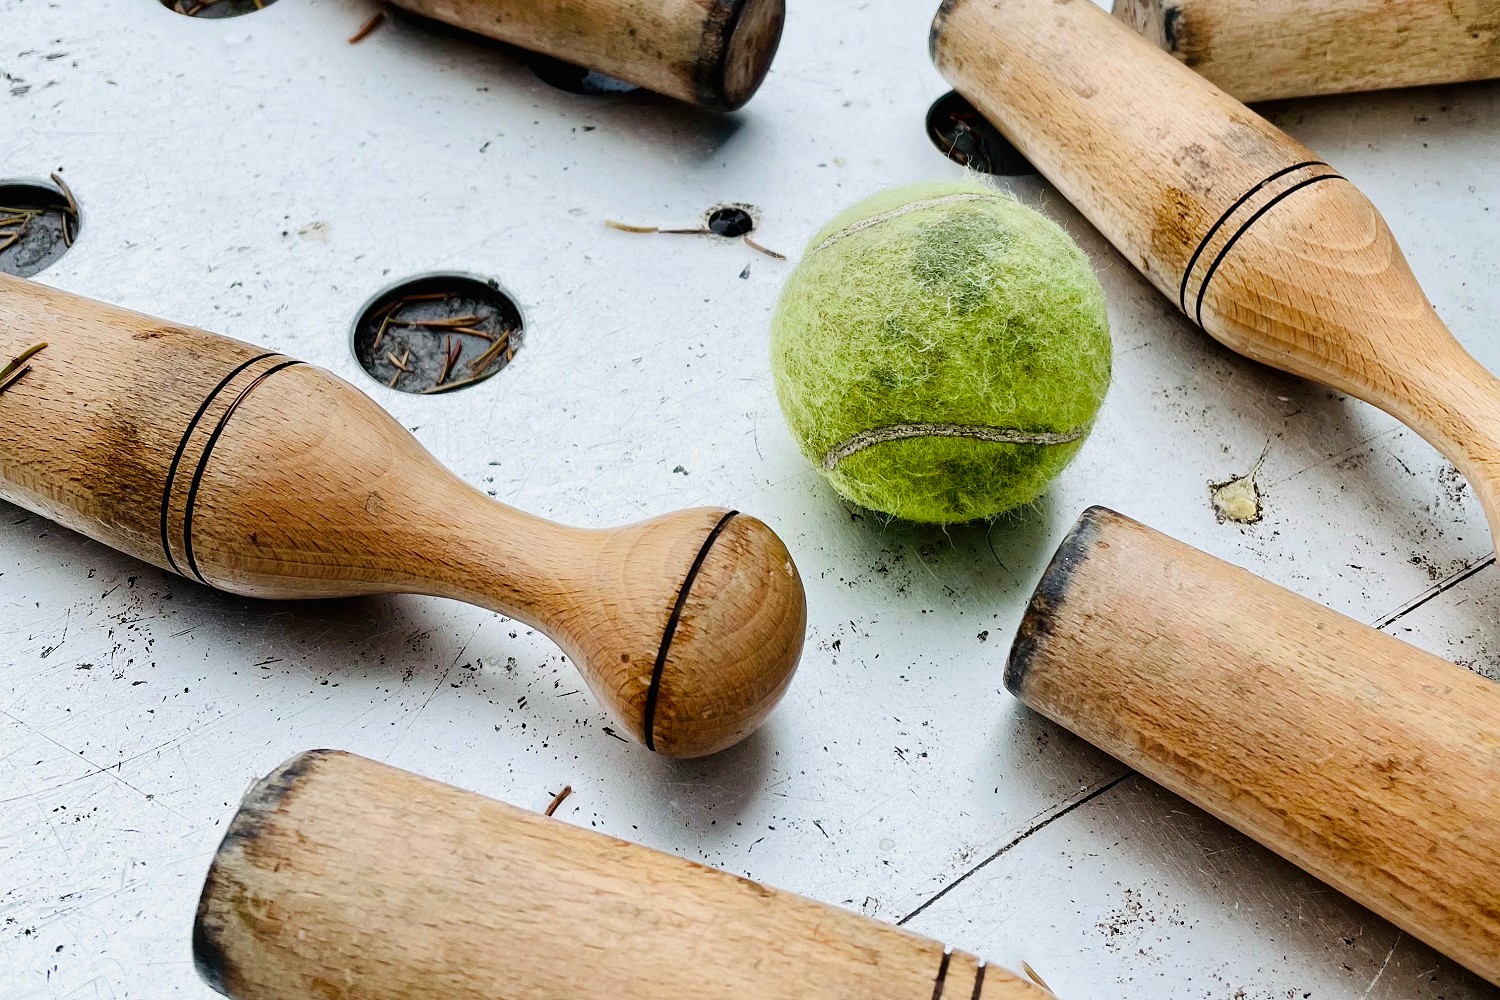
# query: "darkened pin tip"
(935, 34)
(256, 810)
(1051, 595)
(1171, 20)
(738, 48)
(208, 952)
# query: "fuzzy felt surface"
(940, 352)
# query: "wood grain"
(1371, 764)
(1262, 244)
(256, 474)
(714, 53)
(1260, 50)
(341, 878)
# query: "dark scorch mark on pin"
(1171, 19)
(1052, 593)
(716, 82)
(210, 956)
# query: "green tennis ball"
(941, 352)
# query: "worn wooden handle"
(1266, 247)
(1371, 764)
(714, 53)
(251, 472)
(1259, 50)
(341, 877)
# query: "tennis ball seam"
(901, 432)
(907, 209)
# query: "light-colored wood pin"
(1265, 246)
(1259, 50)
(713, 53)
(1371, 764)
(341, 877)
(257, 474)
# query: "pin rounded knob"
(696, 629)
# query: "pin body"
(1371, 764)
(714, 53)
(1260, 50)
(344, 877)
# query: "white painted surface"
(260, 177)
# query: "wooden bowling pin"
(341, 877)
(248, 471)
(1371, 764)
(1258, 50)
(1256, 239)
(713, 53)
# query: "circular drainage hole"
(207, 9)
(576, 79)
(437, 333)
(966, 137)
(730, 221)
(38, 223)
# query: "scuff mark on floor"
(1238, 500)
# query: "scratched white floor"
(260, 177)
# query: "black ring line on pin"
(654, 691)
